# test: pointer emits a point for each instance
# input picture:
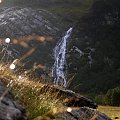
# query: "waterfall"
(59, 67)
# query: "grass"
(38, 104)
(112, 112)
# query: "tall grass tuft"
(28, 93)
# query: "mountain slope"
(96, 66)
(32, 32)
(67, 9)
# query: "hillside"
(96, 65)
(68, 9)
(93, 56)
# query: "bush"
(112, 97)
(100, 99)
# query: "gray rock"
(18, 21)
(9, 108)
(82, 113)
(70, 98)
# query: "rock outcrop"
(17, 21)
(9, 108)
(28, 29)
(69, 98)
(75, 106)
(82, 113)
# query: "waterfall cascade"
(59, 68)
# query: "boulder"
(83, 113)
(70, 98)
(9, 108)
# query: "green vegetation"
(98, 29)
(100, 32)
(112, 97)
(29, 94)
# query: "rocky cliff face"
(95, 55)
(28, 29)
(17, 21)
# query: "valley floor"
(112, 112)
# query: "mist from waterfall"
(59, 68)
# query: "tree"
(112, 97)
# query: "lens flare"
(12, 66)
(69, 109)
(20, 77)
(7, 40)
(0, 1)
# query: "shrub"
(100, 99)
(112, 97)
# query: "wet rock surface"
(25, 26)
(70, 98)
(76, 107)
(17, 21)
(9, 108)
(83, 113)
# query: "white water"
(59, 72)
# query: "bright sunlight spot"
(69, 109)
(7, 40)
(12, 66)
